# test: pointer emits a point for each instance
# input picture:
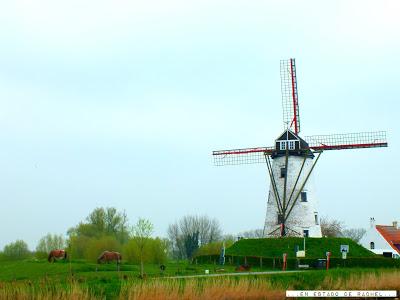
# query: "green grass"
(315, 247)
(101, 279)
(107, 282)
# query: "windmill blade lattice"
(347, 140)
(290, 101)
(241, 156)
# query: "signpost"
(344, 248)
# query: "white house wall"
(381, 245)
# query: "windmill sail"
(347, 141)
(241, 156)
(290, 102)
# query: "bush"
(270, 262)
(212, 248)
(96, 246)
(17, 250)
(155, 251)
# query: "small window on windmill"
(316, 218)
(372, 245)
(283, 172)
(280, 219)
(291, 145)
(303, 196)
(306, 233)
(283, 145)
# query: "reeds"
(243, 288)
(28, 291)
(364, 281)
(199, 289)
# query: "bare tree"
(355, 234)
(190, 232)
(331, 227)
(49, 242)
(141, 233)
(252, 234)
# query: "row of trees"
(109, 229)
(336, 228)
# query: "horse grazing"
(57, 254)
(108, 256)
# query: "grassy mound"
(315, 247)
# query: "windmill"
(292, 205)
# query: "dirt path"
(233, 274)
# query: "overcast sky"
(120, 103)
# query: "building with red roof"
(383, 239)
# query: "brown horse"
(57, 254)
(108, 256)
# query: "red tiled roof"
(391, 234)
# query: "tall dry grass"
(250, 288)
(199, 289)
(243, 288)
(366, 281)
(28, 291)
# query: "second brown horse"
(108, 256)
(57, 254)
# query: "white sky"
(120, 103)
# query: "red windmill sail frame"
(294, 95)
(290, 100)
(316, 143)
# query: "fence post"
(284, 262)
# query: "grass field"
(40, 279)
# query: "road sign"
(344, 255)
(301, 253)
(344, 248)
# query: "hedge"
(276, 262)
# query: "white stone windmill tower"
(292, 208)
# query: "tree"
(17, 250)
(355, 234)
(48, 243)
(191, 232)
(141, 233)
(331, 227)
(101, 222)
(155, 251)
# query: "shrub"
(96, 246)
(155, 251)
(17, 250)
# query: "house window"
(316, 218)
(303, 196)
(372, 245)
(291, 145)
(283, 172)
(283, 145)
(306, 233)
